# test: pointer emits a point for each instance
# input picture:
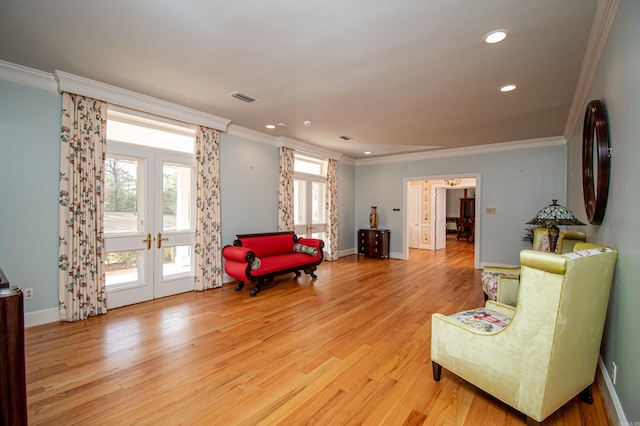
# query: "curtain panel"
(285, 196)
(81, 276)
(332, 210)
(208, 249)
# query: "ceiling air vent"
(243, 97)
(346, 138)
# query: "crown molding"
(252, 135)
(348, 161)
(307, 148)
(280, 141)
(470, 150)
(27, 76)
(603, 21)
(126, 98)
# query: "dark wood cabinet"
(467, 208)
(373, 242)
(466, 222)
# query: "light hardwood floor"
(351, 347)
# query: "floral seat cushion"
(490, 283)
(482, 319)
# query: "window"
(309, 192)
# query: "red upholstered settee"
(258, 258)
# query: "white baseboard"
(31, 319)
(608, 391)
(347, 252)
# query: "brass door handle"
(160, 240)
(148, 241)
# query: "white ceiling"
(399, 77)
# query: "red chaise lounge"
(258, 258)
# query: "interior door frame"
(478, 219)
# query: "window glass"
(309, 165)
(157, 132)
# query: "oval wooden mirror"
(595, 162)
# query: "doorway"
(436, 214)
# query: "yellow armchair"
(501, 283)
(537, 356)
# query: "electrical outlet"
(614, 372)
(28, 293)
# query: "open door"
(441, 218)
(413, 217)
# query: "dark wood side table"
(373, 242)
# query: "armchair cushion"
(491, 276)
(482, 319)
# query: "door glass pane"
(121, 267)
(176, 197)
(299, 202)
(177, 261)
(318, 202)
(121, 195)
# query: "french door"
(149, 223)
(309, 206)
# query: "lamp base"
(554, 233)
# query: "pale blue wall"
(29, 171)
(346, 207)
(248, 187)
(517, 183)
(617, 85)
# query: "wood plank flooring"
(351, 347)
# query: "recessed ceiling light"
(270, 126)
(508, 88)
(281, 124)
(495, 36)
(367, 153)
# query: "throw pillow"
(301, 248)
(255, 264)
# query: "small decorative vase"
(373, 217)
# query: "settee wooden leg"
(239, 286)
(437, 371)
(298, 273)
(586, 395)
(311, 271)
(255, 290)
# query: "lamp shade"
(554, 214)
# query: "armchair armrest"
(508, 290)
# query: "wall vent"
(346, 138)
(243, 97)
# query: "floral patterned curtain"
(332, 210)
(81, 276)
(208, 232)
(285, 198)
